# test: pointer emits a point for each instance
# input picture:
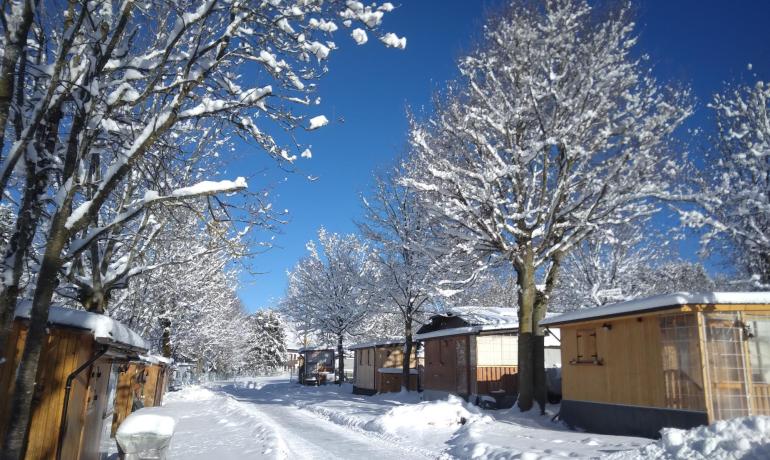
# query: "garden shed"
(85, 349)
(473, 352)
(676, 360)
(378, 367)
(140, 383)
(316, 365)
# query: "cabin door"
(727, 365)
(757, 329)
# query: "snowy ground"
(272, 418)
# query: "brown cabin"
(141, 383)
(378, 367)
(316, 365)
(473, 352)
(677, 360)
(75, 338)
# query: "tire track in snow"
(307, 434)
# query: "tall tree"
(91, 90)
(328, 289)
(402, 240)
(624, 262)
(733, 196)
(554, 130)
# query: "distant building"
(378, 367)
(473, 352)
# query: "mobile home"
(316, 365)
(677, 360)
(473, 352)
(378, 367)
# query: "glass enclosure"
(682, 372)
(738, 363)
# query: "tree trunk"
(527, 295)
(407, 359)
(165, 323)
(15, 253)
(340, 359)
(17, 431)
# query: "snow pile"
(191, 393)
(740, 438)
(140, 423)
(450, 413)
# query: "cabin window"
(682, 372)
(496, 350)
(586, 347)
(369, 356)
(361, 357)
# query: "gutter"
(68, 388)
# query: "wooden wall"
(368, 360)
(447, 364)
(493, 378)
(364, 368)
(124, 396)
(631, 370)
(64, 351)
(391, 383)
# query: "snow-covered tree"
(328, 289)
(734, 198)
(266, 342)
(92, 92)
(554, 130)
(621, 263)
(410, 270)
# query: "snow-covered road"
(304, 435)
(270, 418)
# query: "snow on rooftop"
(376, 343)
(105, 329)
(486, 316)
(478, 319)
(156, 359)
(660, 301)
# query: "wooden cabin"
(141, 383)
(378, 367)
(74, 421)
(317, 366)
(678, 360)
(473, 352)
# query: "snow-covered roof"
(156, 359)
(658, 302)
(104, 329)
(486, 316)
(476, 319)
(311, 348)
(376, 343)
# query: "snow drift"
(746, 438)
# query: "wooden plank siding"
(64, 350)
(493, 378)
(447, 364)
(124, 395)
(368, 360)
(631, 364)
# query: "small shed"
(316, 366)
(473, 352)
(85, 349)
(140, 383)
(676, 360)
(378, 367)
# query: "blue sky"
(365, 95)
